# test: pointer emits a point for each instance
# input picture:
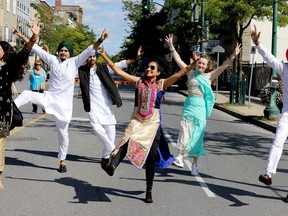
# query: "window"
(8, 5)
(6, 33)
(14, 9)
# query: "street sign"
(218, 49)
(253, 50)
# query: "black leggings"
(150, 161)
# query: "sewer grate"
(22, 138)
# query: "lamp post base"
(271, 112)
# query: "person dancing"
(197, 106)
(99, 93)
(10, 71)
(144, 141)
(282, 125)
(58, 99)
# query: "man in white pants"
(58, 100)
(282, 126)
(99, 93)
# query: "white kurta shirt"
(58, 100)
(100, 100)
(281, 69)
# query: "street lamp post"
(202, 27)
(271, 110)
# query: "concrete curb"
(249, 119)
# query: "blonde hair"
(38, 61)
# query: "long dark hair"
(9, 54)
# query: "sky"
(104, 14)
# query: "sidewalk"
(253, 115)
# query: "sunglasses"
(37, 64)
(152, 67)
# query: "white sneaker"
(194, 169)
(178, 162)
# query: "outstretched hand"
(35, 27)
(139, 53)
(101, 51)
(16, 32)
(197, 55)
(169, 40)
(104, 34)
(255, 35)
(238, 49)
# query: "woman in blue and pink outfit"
(143, 141)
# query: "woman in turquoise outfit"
(143, 141)
(197, 106)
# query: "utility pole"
(202, 27)
(272, 111)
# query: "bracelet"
(172, 50)
(100, 40)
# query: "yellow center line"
(26, 125)
(17, 129)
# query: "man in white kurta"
(58, 100)
(100, 98)
(101, 116)
(282, 126)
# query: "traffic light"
(145, 7)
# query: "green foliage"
(54, 31)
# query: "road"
(227, 185)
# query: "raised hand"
(237, 50)
(139, 53)
(255, 35)
(104, 35)
(35, 27)
(169, 40)
(101, 51)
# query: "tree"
(54, 30)
(237, 16)
(146, 31)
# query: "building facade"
(8, 19)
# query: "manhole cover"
(22, 138)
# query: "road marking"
(17, 129)
(80, 119)
(188, 163)
(201, 181)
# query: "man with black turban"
(58, 100)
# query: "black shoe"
(109, 169)
(62, 168)
(267, 180)
(148, 198)
(104, 162)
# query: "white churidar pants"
(278, 143)
(62, 126)
(106, 135)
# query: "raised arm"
(172, 79)
(215, 73)
(35, 28)
(104, 35)
(175, 55)
(138, 56)
(270, 59)
(116, 69)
